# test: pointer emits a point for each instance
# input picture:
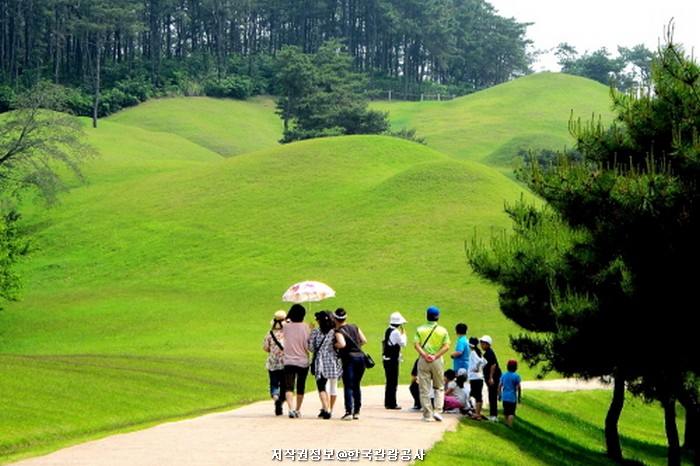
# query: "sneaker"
(325, 414)
(493, 418)
(292, 414)
(393, 407)
(452, 411)
(415, 409)
(427, 419)
(437, 417)
(346, 417)
(356, 416)
(321, 413)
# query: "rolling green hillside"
(346, 210)
(223, 126)
(490, 126)
(144, 283)
(147, 292)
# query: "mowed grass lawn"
(147, 292)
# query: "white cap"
(397, 319)
(486, 339)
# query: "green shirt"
(438, 339)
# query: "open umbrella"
(308, 291)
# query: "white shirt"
(476, 366)
(396, 337)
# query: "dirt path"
(252, 435)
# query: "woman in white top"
(476, 375)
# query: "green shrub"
(236, 87)
(7, 98)
(140, 89)
(78, 103)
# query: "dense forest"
(120, 52)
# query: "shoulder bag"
(369, 362)
(272, 334)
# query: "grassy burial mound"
(492, 125)
(148, 291)
(227, 127)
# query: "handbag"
(369, 362)
(312, 365)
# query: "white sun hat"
(397, 319)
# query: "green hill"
(490, 126)
(226, 127)
(148, 291)
(153, 281)
(346, 209)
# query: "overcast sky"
(594, 24)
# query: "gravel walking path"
(253, 435)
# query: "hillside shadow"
(556, 449)
(571, 422)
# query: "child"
(413, 388)
(456, 393)
(509, 391)
(476, 377)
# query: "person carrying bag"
(349, 340)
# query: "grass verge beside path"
(554, 428)
(149, 390)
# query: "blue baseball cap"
(433, 311)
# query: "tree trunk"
(612, 435)
(674, 444)
(691, 440)
(692, 427)
(96, 81)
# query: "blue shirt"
(461, 362)
(510, 382)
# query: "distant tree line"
(116, 53)
(629, 70)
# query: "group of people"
(336, 346)
(336, 349)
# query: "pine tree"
(612, 261)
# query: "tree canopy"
(38, 145)
(320, 95)
(630, 69)
(117, 53)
